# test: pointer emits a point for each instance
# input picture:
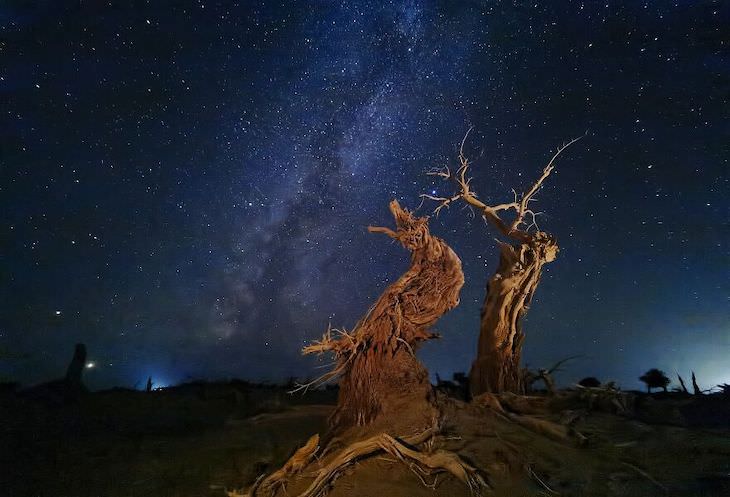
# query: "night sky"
(185, 186)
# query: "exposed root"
(423, 464)
(541, 426)
(539, 480)
(490, 401)
(437, 462)
(276, 480)
(427, 464)
(523, 404)
(552, 430)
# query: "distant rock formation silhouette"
(68, 388)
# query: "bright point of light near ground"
(90, 365)
(58, 313)
(160, 385)
(159, 380)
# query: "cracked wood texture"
(379, 372)
(509, 292)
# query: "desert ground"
(204, 439)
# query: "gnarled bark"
(510, 290)
(376, 362)
(497, 365)
(382, 383)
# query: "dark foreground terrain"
(202, 439)
(179, 441)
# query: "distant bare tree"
(545, 375)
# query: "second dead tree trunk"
(509, 293)
(497, 368)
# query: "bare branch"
(444, 172)
(491, 213)
(556, 367)
(528, 196)
(343, 347)
(383, 229)
(443, 201)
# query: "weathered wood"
(376, 362)
(509, 292)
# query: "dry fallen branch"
(558, 432)
(534, 475)
(555, 431)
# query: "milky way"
(185, 187)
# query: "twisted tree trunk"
(382, 384)
(509, 293)
(379, 372)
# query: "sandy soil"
(199, 442)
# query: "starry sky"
(185, 186)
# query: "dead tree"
(383, 386)
(376, 361)
(510, 291)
